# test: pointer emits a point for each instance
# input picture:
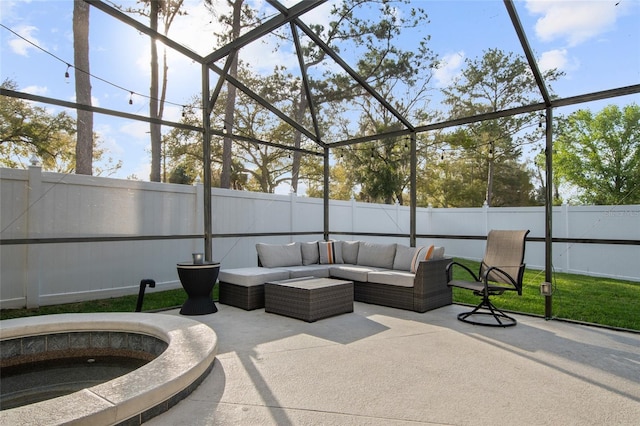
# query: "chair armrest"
(504, 275)
(450, 271)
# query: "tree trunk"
(489, 182)
(156, 142)
(230, 106)
(84, 138)
(297, 141)
(229, 116)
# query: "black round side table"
(198, 281)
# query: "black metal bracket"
(143, 285)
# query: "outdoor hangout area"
(386, 366)
(335, 212)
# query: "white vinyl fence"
(68, 238)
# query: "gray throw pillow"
(350, 251)
(407, 258)
(438, 253)
(376, 254)
(275, 255)
(310, 253)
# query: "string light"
(67, 74)
(131, 98)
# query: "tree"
(380, 169)
(340, 184)
(400, 76)
(166, 10)
(254, 166)
(241, 16)
(496, 82)
(183, 149)
(27, 130)
(462, 169)
(180, 175)
(265, 166)
(599, 154)
(155, 130)
(84, 141)
(452, 178)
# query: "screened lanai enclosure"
(423, 104)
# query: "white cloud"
(572, 21)
(36, 90)
(109, 143)
(172, 112)
(263, 55)
(20, 46)
(8, 9)
(137, 129)
(448, 68)
(320, 15)
(557, 59)
(143, 169)
(195, 29)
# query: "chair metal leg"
(502, 319)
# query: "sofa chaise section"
(391, 288)
(244, 287)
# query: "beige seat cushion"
(252, 276)
(318, 271)
(398, 278)
(352, 272)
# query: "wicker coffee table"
(308, 298)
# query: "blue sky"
(596, 43)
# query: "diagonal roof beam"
(533, 64)
(305, 81)
(329, 51)
(343, 64)
(264, 29)
(221, 80)
(99, 4)
(262, 101)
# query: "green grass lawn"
(603, 301)
(597, 300)
(152, 301)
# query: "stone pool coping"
(147, 391)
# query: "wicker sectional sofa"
(412, 278)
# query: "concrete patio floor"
(384, 366)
